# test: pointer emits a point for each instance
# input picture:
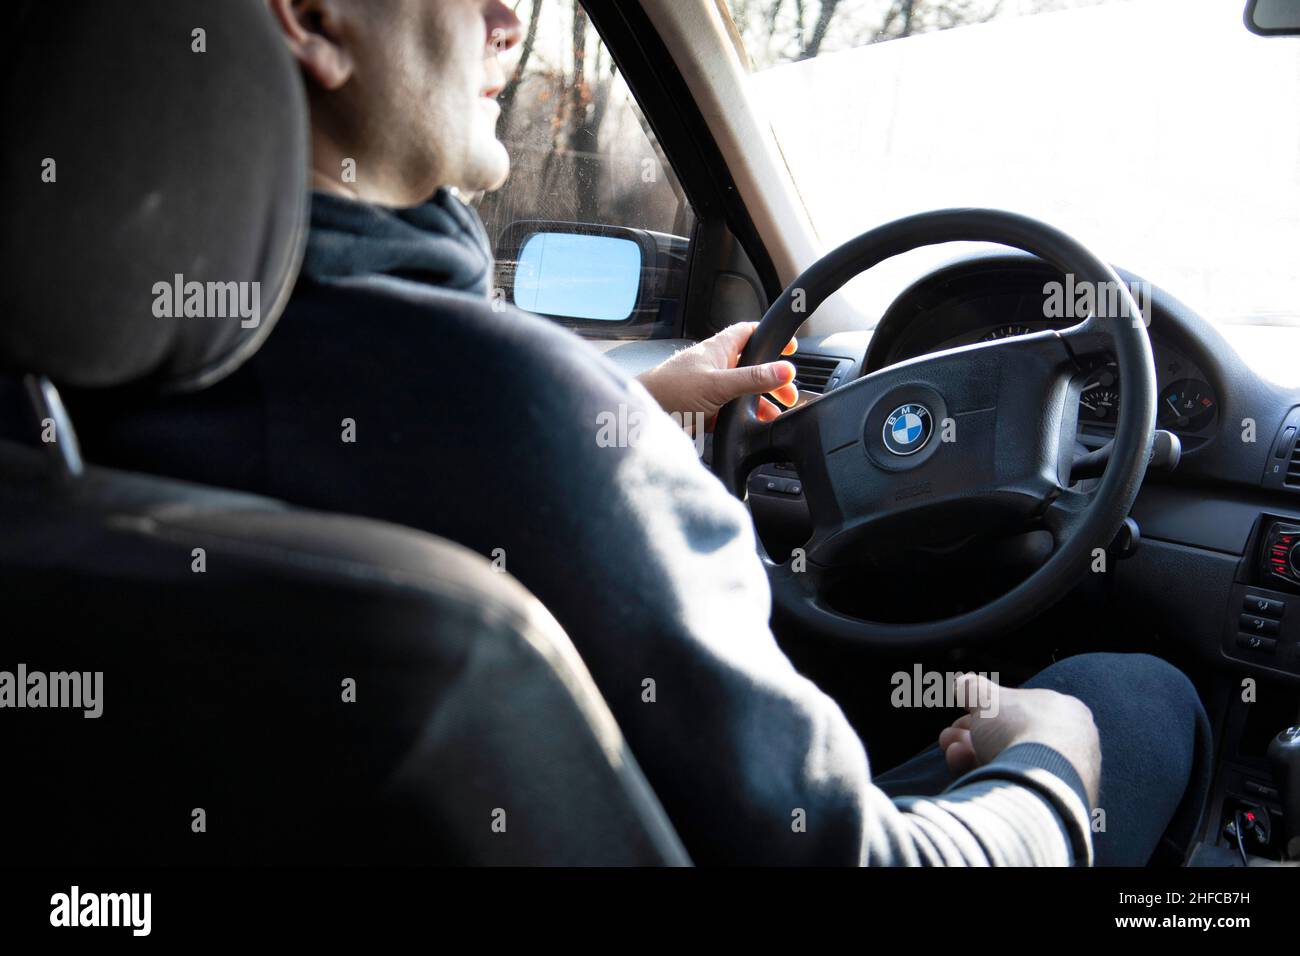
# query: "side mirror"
(578, 276)
(1272, 18)
(607, 278)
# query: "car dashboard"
(947, 314)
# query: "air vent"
(814, 373)
(1282, 469)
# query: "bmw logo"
(908, 428)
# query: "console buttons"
(1254, 642)
(782, 486)
(1264, 607)
(1254, 624)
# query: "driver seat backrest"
(254, 682)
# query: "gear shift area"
(1284, 759)
(1253, 814)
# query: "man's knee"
(1122, 679)
(1146, 710)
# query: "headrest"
(154, 193)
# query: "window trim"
(666, 103)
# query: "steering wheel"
(969, 440)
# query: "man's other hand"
(1022, 716)
(701, 379)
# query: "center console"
(1217, 579)
(1263, 623)
(1256, 805)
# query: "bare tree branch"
(908, 10)
(824, 17)
(508, 93)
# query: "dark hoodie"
(481, 425)
(441, 243)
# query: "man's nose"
(503, 27)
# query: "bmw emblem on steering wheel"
(908, 428)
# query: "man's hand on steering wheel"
(699, 380)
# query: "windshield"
(1161, 133)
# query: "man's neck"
(330, 184)
(335, 171)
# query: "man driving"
(482, 429)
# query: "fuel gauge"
(1187, 405)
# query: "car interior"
(1127, 481)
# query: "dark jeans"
(1156, 752)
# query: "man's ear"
(313, 30)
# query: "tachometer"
(1187, 405)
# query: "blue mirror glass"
(577, 276)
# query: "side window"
(592, 227)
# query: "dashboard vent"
(812, 373)
(1282, 468)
